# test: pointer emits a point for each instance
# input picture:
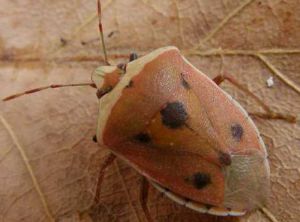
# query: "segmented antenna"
(46, 87)
(101, 32)
(67, 85)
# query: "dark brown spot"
(143, 138)
(63, 41)
(133, 56)
(101, 92)
(200, 180)
(95, 138)
(153, 22)
(187, 200)
(110, 34)
(174, 115)
(237, 131)
(185, 84)
(130, 84)
(208, 206)
(173, 18)
(225, 158)
(122, 66)
(7, 56)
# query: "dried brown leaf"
(48, 162)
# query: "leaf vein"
(279, 74)
(28, 166)
(223, 22)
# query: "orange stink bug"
(181, 131)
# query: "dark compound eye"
(237, 131)
(174, 115)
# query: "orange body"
(179, 129)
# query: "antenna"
(46, 87)
(67, 85)
(101, 32)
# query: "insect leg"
(268, 114)
(144, 198)
(108, 161)
(46, 87)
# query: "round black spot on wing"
(142, 138)
(201, 180)
(237, 131)
(174, 115)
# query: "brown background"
(48, 163)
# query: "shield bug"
(166, 119)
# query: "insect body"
(182, 132)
